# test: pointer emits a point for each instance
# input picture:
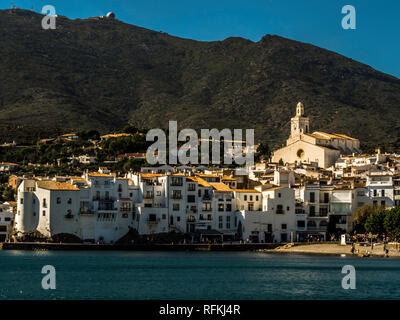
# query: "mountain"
(104, 73)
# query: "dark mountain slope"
(104, 73)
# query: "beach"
(337, 249)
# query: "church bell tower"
(300, 124)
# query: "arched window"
(323, 223)
(311, 224)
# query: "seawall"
(139, 247)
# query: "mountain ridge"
(91, 73)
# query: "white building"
(6, 221)
(273, 218)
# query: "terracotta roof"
(151, 175)
(99, 174)
(220, 186)
(246, 190)
(328, 136)
(203, 182)
(228, 178)
(54, 185)
(273, 188)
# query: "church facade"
(317, 147)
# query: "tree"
(392, 222)
(89, 134)
(374, 222)
(362, 213)
(263, 149)
(130, 129)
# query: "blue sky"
(376, 40)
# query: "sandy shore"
(336, 249)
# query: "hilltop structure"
(319, 147)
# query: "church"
(318, 147)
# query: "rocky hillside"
(104, 74)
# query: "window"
(326, 197)
(323, 212)
(44, 213)
(58, 200)
(301, 224)
(221, 207)
(69, 214)
(245, 197)
(383, 203)
(256, 198)
(279, 209)
(312, 197)
(251, 198)
(158, 193)
(176, 194)
(34, 213)
(220, 223)
(279, 195)
(312, 211)
(228, 222)
(175, 206)
(288, 208)
(176, 181)
(164, 216)
(228, 207)
(190, 198)
(119, 188)
(251, 207)
(199, 192)
(191, 187)
(44, 203)
(70, 200)
(22, 201)
(383, 192)
(178, 218)
(284, 226)
(152, 217)
(374, 192)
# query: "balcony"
(205, 219)
(85, 212)
(103, 199)
(153, 221)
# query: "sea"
(143, 275)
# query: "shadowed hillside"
(103, 74)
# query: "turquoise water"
(194, 275)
